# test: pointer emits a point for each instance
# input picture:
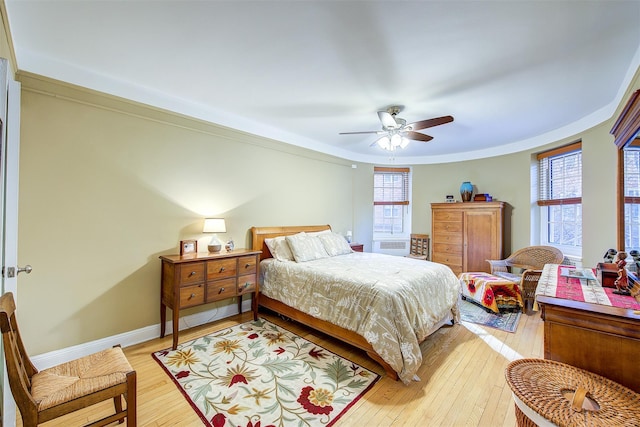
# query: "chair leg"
(131, 400)
(117, 403)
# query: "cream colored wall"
(106, 187)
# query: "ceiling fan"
(397, 133)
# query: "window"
(391, 200)
(560, 197)
(632, 195)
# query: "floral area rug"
(258, 374)
(474, 313)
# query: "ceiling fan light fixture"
(384, 143)
(404, 143)
(396, 140)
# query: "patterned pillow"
(335, 244)
(279, 248)
(305, 247)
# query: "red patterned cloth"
(491, 291)
(553, 284)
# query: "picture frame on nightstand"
(188, 247)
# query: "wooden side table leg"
(163, 319)
(176, 324)
(240, 304)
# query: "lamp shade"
(214, 225)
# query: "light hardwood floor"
(462, 379)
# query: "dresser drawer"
(449, 259)
(447, 239)
(447, 227)
(447, 215)
(221, 289)
(221, 268)
(247, 264)
(246, 283)
(446, 249)
(192, 272)
(191, 295)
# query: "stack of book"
(482, 198)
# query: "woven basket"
(571, 397)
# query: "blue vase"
(466, 191)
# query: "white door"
(9, 164)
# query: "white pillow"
(305, 247)
(279, 248)
(335, 244)
(318, 233)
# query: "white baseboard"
(52, 358)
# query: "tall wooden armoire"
(466, 235)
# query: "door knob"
(26, 269)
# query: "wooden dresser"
(600, 339)
(465, 235)
(202, 278)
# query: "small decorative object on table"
(609, 256)
(188, 247)
(230, 245)
(607, 272)
(622, 282)
(466, 191)
(450, 199)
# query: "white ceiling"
(514, 74)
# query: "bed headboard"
(258, 234)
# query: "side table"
(357, 247)
(202, 278)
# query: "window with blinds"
(560, 196)
(632, 195)
(390, 199)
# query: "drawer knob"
(192, 296)
(247, 265)
(193, 273)
(221, 290)
(222, 269)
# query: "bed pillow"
(335, 244)
(279, 248)
(319, 233)
(305, 247)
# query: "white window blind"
(390, 198)
(560, 195)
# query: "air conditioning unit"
(399, 247)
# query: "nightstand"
(202, 278)
(357, 247)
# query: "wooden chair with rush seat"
(44, 395)
(419, 246)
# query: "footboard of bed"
(330, 329)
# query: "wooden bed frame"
(258, 235)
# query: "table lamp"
(214, 225)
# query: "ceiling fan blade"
(423, 124)
(356, 133)
(418, 136)
(387, 120)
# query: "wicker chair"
(44, 395)
(525, 266)
(419, 247)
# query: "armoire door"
(483, 238)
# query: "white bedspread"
(393, 302)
